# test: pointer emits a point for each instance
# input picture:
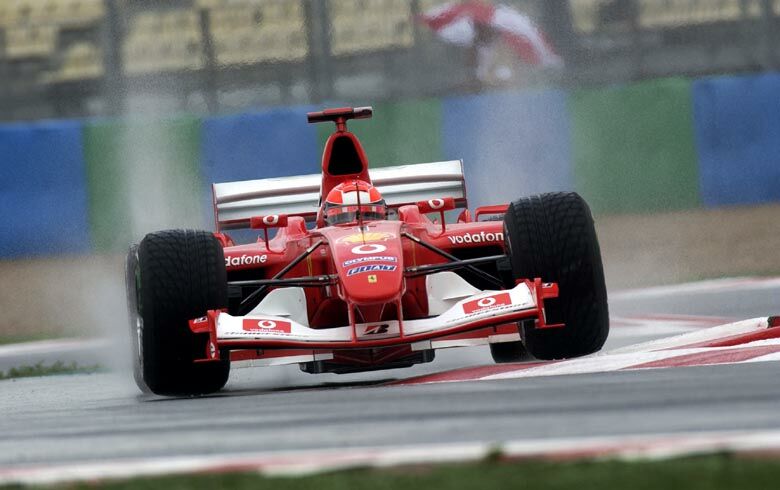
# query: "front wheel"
(180, 275)
(506, 352)
(131, 281)
(553, 237)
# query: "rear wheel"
(180, 275)
(552, 236)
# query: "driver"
(349, 198)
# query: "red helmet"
(348, 198)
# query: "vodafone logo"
(271, 219)
(481, 237)
(239, 260)
(487, 303)
(273, 326)
(436, 203)
(373, 248)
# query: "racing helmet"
(348, 199)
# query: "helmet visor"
(339, 215)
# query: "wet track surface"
(94, 417)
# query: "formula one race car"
(364, 273)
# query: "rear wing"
(236, 202)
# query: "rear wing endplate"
(236, 202)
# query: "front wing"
(485, 312)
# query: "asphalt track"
(102, 417)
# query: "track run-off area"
(687, 368)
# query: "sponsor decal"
(371, 268)
(487, 303)
(372, 278)
(373, 248)
(369, 236)
(273, 326)
(436, 203)
(480, 237)
(271, 220)
(202, 319)
(374, 258)
(234, 261)
(377, 329)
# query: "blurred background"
(117, 115)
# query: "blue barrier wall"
(277, 143)
(512, 144)
(43, 193)
(252, 146)
(737, 124)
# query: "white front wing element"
(445, 289)
(289, 303)
(485, 305)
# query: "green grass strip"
(41, 369)
(715, 472)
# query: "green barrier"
(398, 133)
(142, 176)
(634, 147)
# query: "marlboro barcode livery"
(364, 271)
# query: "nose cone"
(369, 263)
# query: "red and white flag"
(457, 23)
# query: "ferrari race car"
(364, 271)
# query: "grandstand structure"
(74, 58)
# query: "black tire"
(552, 236)
(181, 274)
(509, 352)
(131, 269)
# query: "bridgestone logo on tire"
(245, 260)
(480, 237)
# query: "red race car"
(365, 271)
